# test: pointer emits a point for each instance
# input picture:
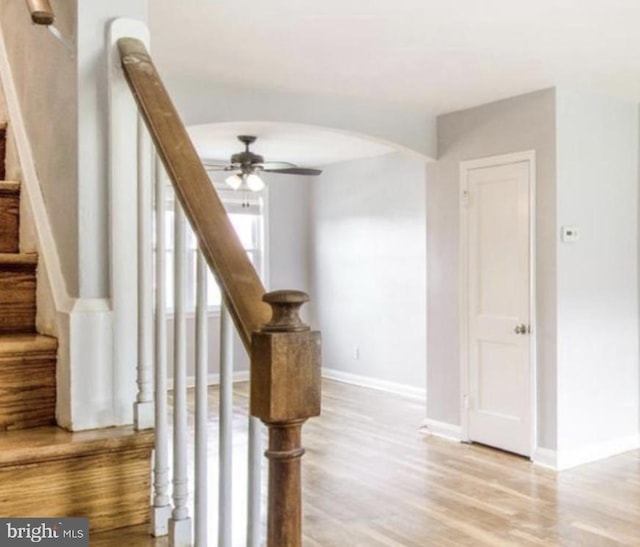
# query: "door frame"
(465, 166)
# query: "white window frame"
(233, 201)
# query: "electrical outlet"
(570, 234)
(356, 353)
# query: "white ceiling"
(439, 56)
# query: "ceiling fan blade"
(295, 171)
(212, 161)
(215, 165)
(270, 165)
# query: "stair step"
(17, 292)
(27, 380)
(9, 216)
(9, 187)
(103, 474)
(26, 260)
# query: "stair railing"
(41, 12)
(284, 352)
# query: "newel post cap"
(285, 311)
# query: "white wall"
(45, 76)
(520, 123)
(369, 268)
(63, 97)
(597, 191)
(290, 234)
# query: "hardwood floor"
(372, 479)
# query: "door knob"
(520, 329)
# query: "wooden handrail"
(219, 242)
(41, 12)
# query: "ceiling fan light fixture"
(247, 166)
(255, 183)
(234, 182)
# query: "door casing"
(465, 166)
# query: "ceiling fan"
(248, 165)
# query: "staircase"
(46, 471)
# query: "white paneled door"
(496, 223)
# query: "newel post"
(285, 392)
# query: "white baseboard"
(213, 379)
(444, 430)
(375, 383)
(545, 457)
(566, 459)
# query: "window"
(246, 213)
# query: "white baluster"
(143, 407)
(225, 466)
(180, 522)
(161, 509)
(202, 373)
(254, 483)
